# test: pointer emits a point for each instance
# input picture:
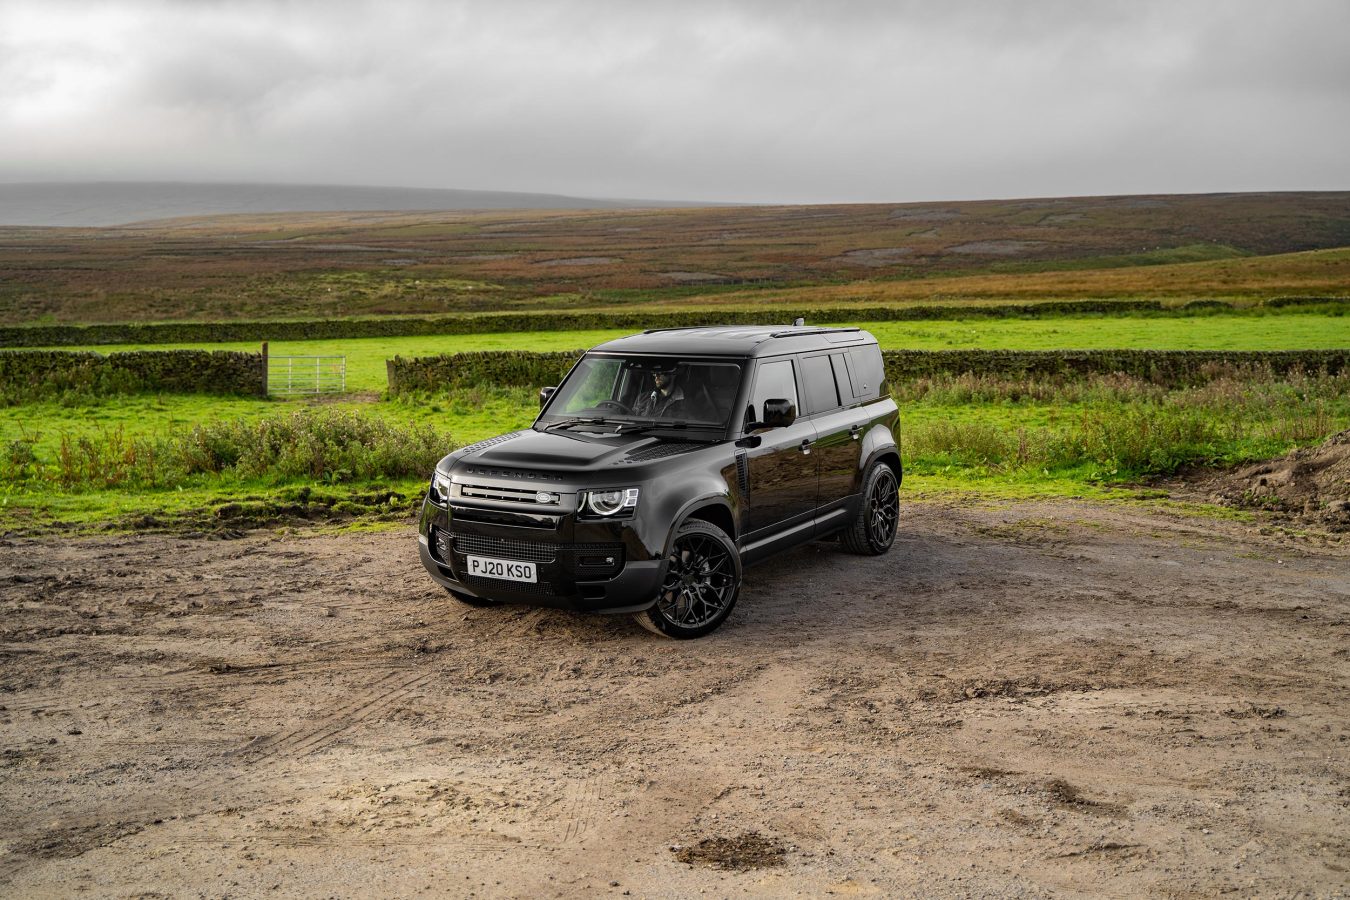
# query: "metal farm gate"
(295, 375)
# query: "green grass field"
(1287, 331)
(995, 438)
(183, 460)
(468, 415)
(1001, 437)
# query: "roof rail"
(796, 331)
(804, 331)
(678, 328)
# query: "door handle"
(855, 432)
(805, 447)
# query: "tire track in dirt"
(518, 621)
(55, 839)
(387, 690)
(877, 713)
(586, 798)
(208, 676)
(476, 843)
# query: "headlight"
(439, 492)
(607, 503)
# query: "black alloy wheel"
(872, 531)
(703, 579)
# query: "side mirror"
(544, 394)
(779, 413)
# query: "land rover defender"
(663, 464)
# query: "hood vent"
(661, 451)
(483, 445)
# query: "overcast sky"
(796, 102)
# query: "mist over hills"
(105, 203)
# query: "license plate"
(505, 569)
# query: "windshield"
(648, 390)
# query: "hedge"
(1170, 367)
(27, 375)
(1173, 367)
(503, 367)
(475, 323)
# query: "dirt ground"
(1021, 699)
(1308, 487)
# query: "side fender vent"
(743, 472)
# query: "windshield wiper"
(625, 426)
(635, 427)
(577, 420)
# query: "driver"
(666, 399)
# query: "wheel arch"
(891, 457)
(713, 510)
(879, 445)
(694, 575)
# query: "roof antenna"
(798, 322)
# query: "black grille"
(743, 473)
(595, 548)
(498, 586)
(559, 562)
(504, 548)
(473, 491)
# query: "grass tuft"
(315, 446)
(1115, 427)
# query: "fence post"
(264, 368)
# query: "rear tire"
(470, 599)
(872, 531)
(702, 582)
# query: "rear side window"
(773, 381)
(869, 374)
(842, 382)
(818, 384)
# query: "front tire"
(872, 531)
(702, 582)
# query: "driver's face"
(660, 379)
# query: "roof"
(737, 340)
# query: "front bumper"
(581, 565)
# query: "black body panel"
(522, 497)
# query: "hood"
(550, 450)
(569, 451)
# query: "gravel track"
(1024, 699)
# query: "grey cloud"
(792, 102)
(1296, 47)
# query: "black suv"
(663, 463)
